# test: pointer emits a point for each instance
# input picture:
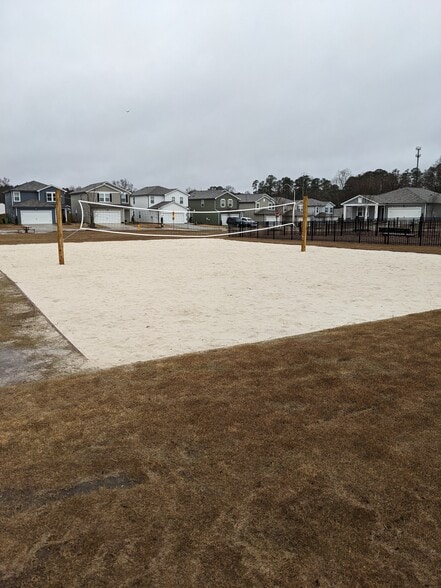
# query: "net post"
(305, 222)
(59, 227)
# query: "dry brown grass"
(308, 461)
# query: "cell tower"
(418, 155)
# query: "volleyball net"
(179, 222)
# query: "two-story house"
(33, 203)
(212, 207)
(103, 204)
(153, 203)
(259, 207)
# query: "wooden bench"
(25, 229)
(396, 232)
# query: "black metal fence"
(421, 231)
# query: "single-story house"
(33, 203)
(317, 209)
(403, 203)
(106, 201)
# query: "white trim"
(95, 189)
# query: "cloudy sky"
(192, 93)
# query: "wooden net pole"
(59, 227)
(304, 222)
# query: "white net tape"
(153, 222)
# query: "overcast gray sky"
(218, 91)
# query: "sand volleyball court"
(128, 301)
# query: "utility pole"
(59, 227)
(418, 155)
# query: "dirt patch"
(30, 347)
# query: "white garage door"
(168, 217)
(225, 215)
(36, 217)
(107, 217)
(401, 212)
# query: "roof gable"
(355, 200)
(94, 187)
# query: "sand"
(123, 302)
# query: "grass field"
(307, 461)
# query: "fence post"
(420, 230)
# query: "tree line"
(344, 185)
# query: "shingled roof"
(152, 191)
(91, 187)
(32, 186)
(407, 196)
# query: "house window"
(223, 203)
(202, 203)
(360, 211)
(16, 197)
(230, 203)
(124, 198)
(181, 200)
(50, 196)
(104, 197)
(257, 204)
(173, 199)
(152, 199)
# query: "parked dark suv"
(233, 221)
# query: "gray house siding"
(209, 209)
(92, 196)
(28, 201)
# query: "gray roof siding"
(34, 204)
(254, 197)
(165, 203)
(407, 196)
(153, 191)
(208, 194)
(402, 196)
(32, 186)
(315, 202)
(92, 188)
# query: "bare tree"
(342, 177)
(125, 185)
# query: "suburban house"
(153, 203)
(259, 207)
(108, 196)
(33, 203)
(317, 209)
(403, 203)
(212, 206)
